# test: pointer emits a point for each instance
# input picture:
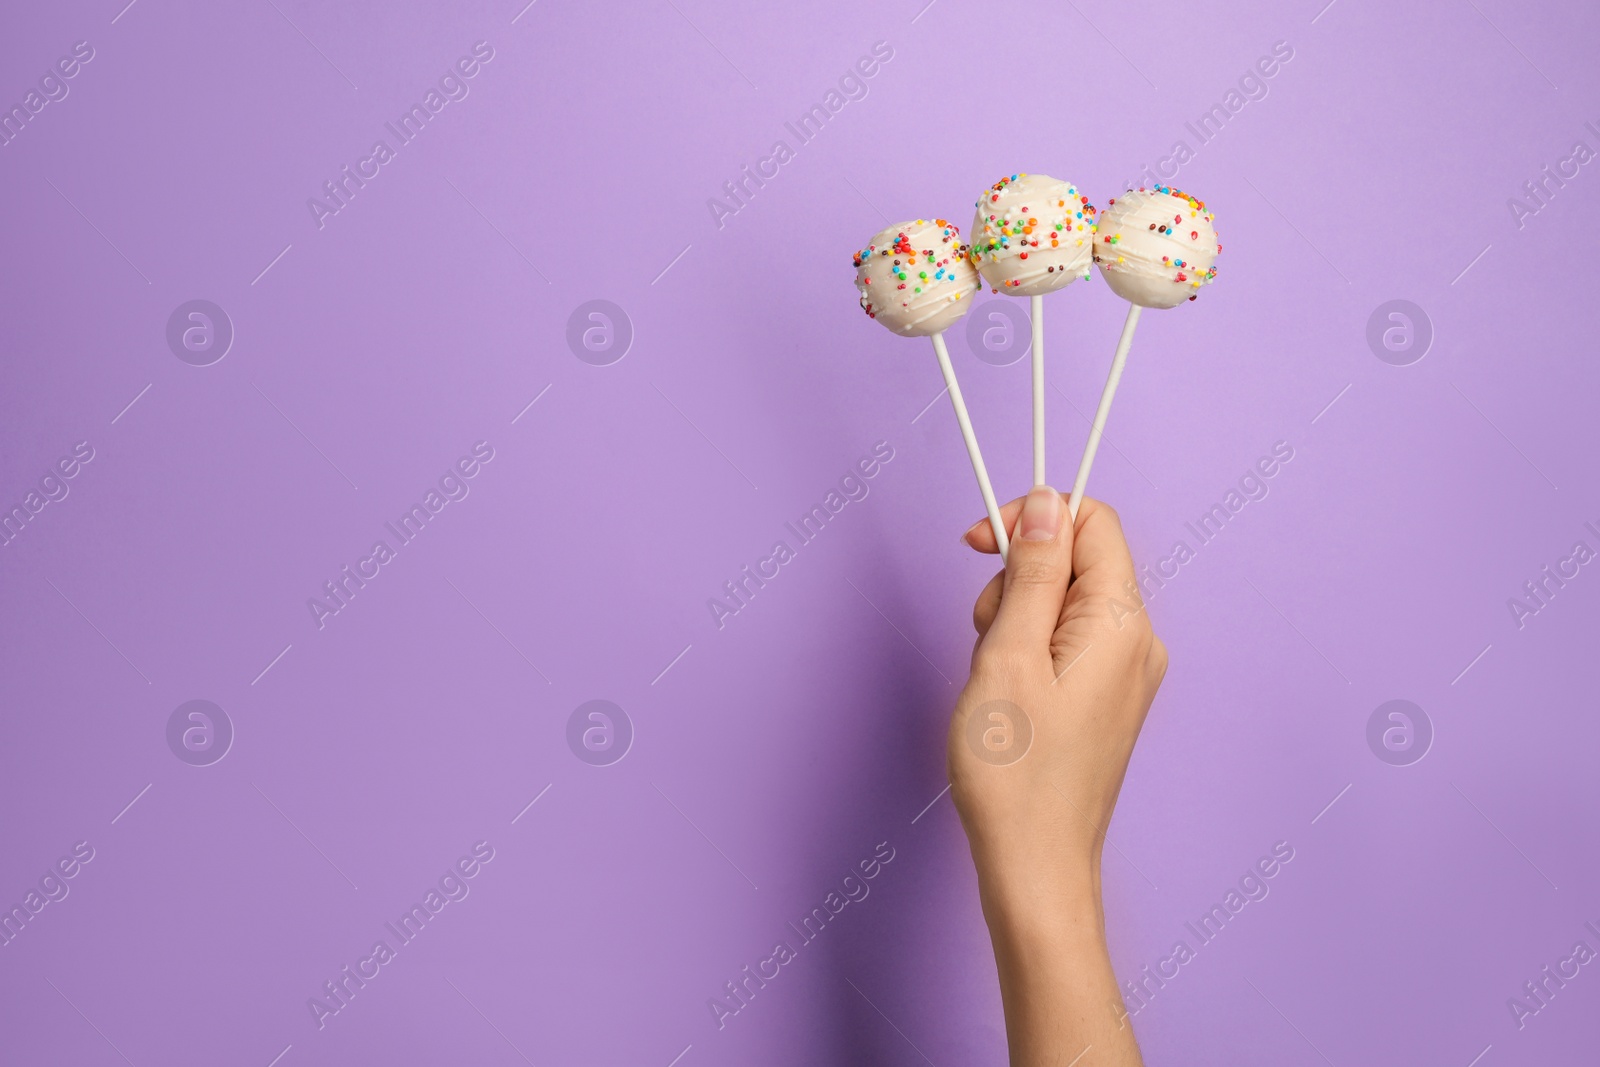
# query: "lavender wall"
(350, 358)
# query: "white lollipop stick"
(1037, 313)
(971, 439)
(1103, 411)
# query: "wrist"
(1043, 902)
(1056, 980)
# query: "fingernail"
(1041, 514)
(966, 538)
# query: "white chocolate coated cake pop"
(1156, 247)
(1032, 234)
(915, 278)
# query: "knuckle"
(1157, 658)
(985, 608)
(1124, 628)
(1117, 614)
(1143, 642)
(1110, 513)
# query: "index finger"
(1101, 561)
(981, 535)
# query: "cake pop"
(1155, 248)
(1032, 235)
(916, 279)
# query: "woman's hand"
(1062, 677)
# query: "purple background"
(776, 752)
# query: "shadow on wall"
(892, 988)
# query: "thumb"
(1038, 566)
